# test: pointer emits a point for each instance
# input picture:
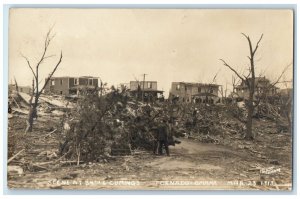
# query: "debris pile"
(118, 124)
(115, 123)
(209, 124)
(112, 124)
(49, 105)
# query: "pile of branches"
(267, 110)
(213, 120)
(110, 124)
(92, 129)
(209, 123)
(281, 114)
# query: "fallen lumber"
(50, 133)
(16, 102)
(25, 97)
(25, 112)
(10, 159)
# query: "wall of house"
(179, 90)
(185, 92)
(25, 89)
(63, 84)
(88, 81)
(208, 89)
(60, 87)
(47, 87)
(71, 82)
(134, 85)
(244, 93)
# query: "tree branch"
(282, 73)
(46, 44)
(28, 63)
(51, 74)
(256, 47)
(232, 69)
(250, 45)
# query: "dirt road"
(192, 165)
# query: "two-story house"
(263, 87)
(194, 92)
(70, 85)
(144, 89)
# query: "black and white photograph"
(150, 99)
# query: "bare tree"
(208, 88)
(250, 83)
(36, 91)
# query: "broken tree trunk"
(29, 122)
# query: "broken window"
(90, 81)
(52, 82)
(76, 81)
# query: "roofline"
(143, 81)
(195, 83)
(74, 77)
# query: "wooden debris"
(50, 133)
(10, 159)
(14, 170)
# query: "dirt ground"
(235, 164)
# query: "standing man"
(163, 137)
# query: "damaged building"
(263, 87)
(194, 92)
(70, 85)
(23, 89)
(145, 89)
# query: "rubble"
(12, 170)
(25, 97)
(102, 130)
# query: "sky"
(169, 45)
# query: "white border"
(157, 2)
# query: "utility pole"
(144, 75)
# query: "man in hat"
(163, 137)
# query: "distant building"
(23, 89)
(70, 85)
(194, 92)
(263, 87)
(146, 88)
